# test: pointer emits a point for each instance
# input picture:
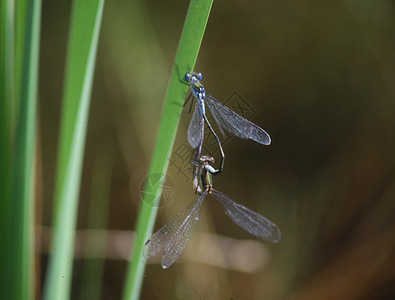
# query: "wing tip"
(276, 235)
(267, 139)
(165, 263)
(264, 140)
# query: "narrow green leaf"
(83, 38)
(20, 209)
(20, 21)
(6, 34)
(187, 52)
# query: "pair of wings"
(173, 237)
(225, 118)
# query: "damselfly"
(173, 237)
(223, 116)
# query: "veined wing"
(183, 234)
(235, 123)
(161, 239)
(249, 220)
(196, 127)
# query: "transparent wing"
(161, 239)
(215, 114)
(196, 127)
(235, 123)
(249, 220)
(183, 234)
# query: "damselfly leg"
(189, 99)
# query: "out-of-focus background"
(318, 76)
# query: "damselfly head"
(205, 159)
(193, 76)
(187, 76)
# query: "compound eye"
(199, 76)
(187, 76)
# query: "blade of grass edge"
(6, 96)
(188, 48)
(81, 55)
(22, 195)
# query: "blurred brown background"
(319, 76)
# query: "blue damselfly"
(223, 116)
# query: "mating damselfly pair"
(172, 238)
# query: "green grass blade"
(20, 8)
(82, 46)
(6, 67)
(188, 48)
(6, 71)
(20, 242)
